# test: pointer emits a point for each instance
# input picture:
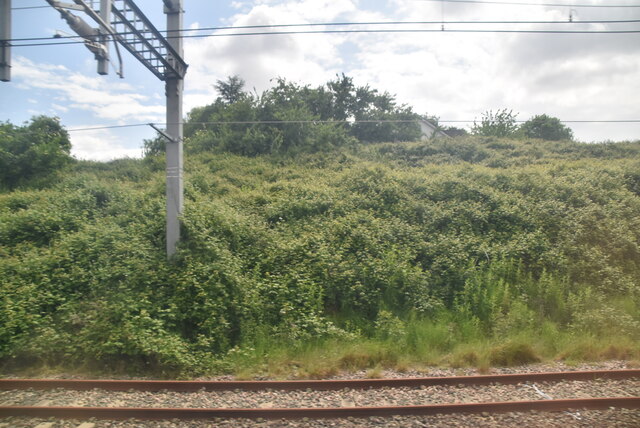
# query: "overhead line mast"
(5, 44)
(123, 22)
(174, 88)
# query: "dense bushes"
(32, 153)
(546, 128)
(503, 124)
(289, 118)
(485, 236)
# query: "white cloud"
(455, 76)
(58, 107)
(100, 145)
(309, 59)
(458, 76)
(105, 100)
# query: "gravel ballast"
(613, 418)
(341, 398)
(403, 396)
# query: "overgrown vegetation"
(546, 128)
(290, 118)
(32, 153)
(503, 124)
(312, 245)
(473, 251)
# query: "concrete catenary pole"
(174, 88)
(5, 36)
(105, 14)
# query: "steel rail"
(318, 385)
(119, 413)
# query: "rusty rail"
(119, 413)
(186, 386)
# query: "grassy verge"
(423, 344)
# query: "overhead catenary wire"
(49, 41)
(336, 122)
(92, 128)
(277, 33)
(387, 30)
(504, 3)
(347, 24)
(510, 3)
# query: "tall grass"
(426, 344)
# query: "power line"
(506, 3)
(315, 122)
(93, 128)
(314, 24)
(563, 121)
(363, 31)
(466, 1)
(346, 24)
(434, 30)
(271, 122)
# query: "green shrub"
(546, 128)
(33, 153)
(513, 354)
(502, 123)
(381, 250)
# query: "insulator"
(78, 25)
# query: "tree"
(231, 90)
(34, 151)
(453, 131)
(342, 91)
(546, 128)
(500, 124)
(290, 118)
(154, 146)
(379, 119)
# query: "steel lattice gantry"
(138, 35)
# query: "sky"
(455, 76)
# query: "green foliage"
(502, 123)
(154, 146)
(388, 326)
(453, 131)
(289, 118)
(546, 128)
(230, 90)
(513, 354)
(381, 250)
(32, 153)
(376, 117)
(503, 153)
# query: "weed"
(513, 354)
(374, 373)
(617, 352)
(464, 359)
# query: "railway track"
(414, 386)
